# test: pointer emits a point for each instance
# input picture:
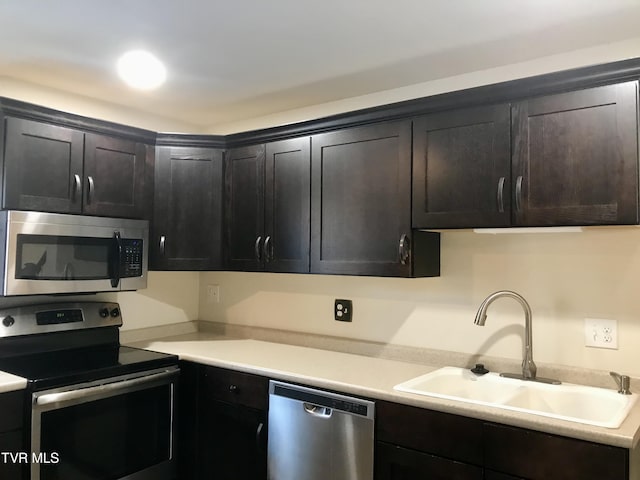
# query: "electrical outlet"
(343, 310)
(601, 333)
(213, 293)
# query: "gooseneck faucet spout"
(528, 366)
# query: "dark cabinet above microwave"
(64, 170)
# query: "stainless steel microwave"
(50, 253)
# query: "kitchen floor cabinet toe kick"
(224, 434)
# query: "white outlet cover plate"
(601, 333)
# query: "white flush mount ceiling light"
(142, 70)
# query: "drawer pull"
(233, 388)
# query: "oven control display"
(52, 317)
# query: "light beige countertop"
(368, 377)
(9, 383)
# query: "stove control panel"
(58, 317)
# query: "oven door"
(122, 429)
(52, 253)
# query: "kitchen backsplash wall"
(566, 277)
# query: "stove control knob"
(104, 312)
(115, 312)
(8, 321)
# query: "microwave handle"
(117, 259)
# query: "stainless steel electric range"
(103, 411)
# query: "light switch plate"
(601, 333)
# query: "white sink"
(577, 403)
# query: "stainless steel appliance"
(316, 435)
(103, 411)
(47, 253)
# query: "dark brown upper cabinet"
(58, 169)
(575, 158)
(267, 207)
(188, 203)
(361, 205)
(462, 168)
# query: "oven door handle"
(102, 391)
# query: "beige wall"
(580, 58)
(89, 107)
(564, 276)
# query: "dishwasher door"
(316, 435)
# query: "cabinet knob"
(233, 388)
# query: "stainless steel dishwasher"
(317, 435)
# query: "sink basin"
(577, 403)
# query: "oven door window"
(108, 439)
(55, 257)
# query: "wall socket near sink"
(213, 293)
(601, 333)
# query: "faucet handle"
(623, 382)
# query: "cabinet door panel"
(361, 200)
(287, 205)
(244, 182)
(397, 463)
(461, 169)
(43, 167)
(114, 177)
(188, 209)
(509, 449)
(576, 158)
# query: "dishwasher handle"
(317, 410)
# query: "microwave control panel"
(131, 260)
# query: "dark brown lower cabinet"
(413, 443)
(12, 438)
(542, 456)
(223, 434)
(398, 463)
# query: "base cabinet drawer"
(541, 456)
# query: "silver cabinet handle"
(256, 248)
(77, 187)
(163, 241)
(404, 249)
(501, 195)
(268, 249)
(519, 193)
(91, 189)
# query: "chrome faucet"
(529, 369)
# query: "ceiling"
(234, 60)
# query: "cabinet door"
(461, 169)
(397, 463)
(287, 205)
(540, 456)
(42, 167)
(575, 158)
(187, 226)
(232, 442)
(232, 431)
(361, 200)
(244, 212)
(114, 177)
